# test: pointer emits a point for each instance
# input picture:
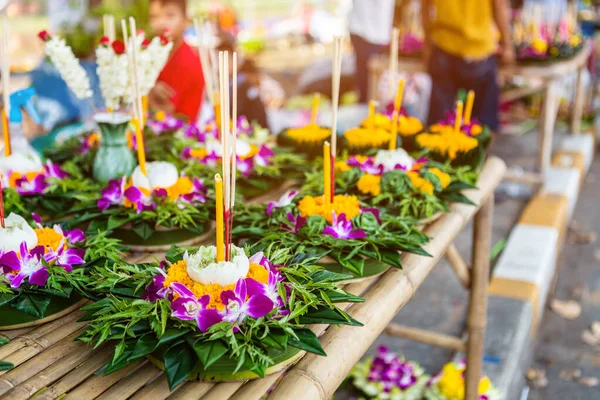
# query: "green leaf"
(328, 276)
(277, 339)
(143, 230)
(306, 340)
(116, 221)
(179, 363)
(209, 352)
(121, 361)
(32, 304)
(171, 334)
(325, 315)
(6, 366)
(145, 345)
(6, 298)
(354, 265)
(343, 297)
(392, 258)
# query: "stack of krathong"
(215, 313)
(555, 38)
(42, 269)
(457, 140)
(355, 237)
(306, 139)
(380, 131)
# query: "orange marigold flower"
(420, 183)
(442, 176)
(48, 238)
(348, 205)
(409, 126)
(183, 186)
(362, 137)
(377, 121)
(342, 166)
(311, 133)
(369, 184)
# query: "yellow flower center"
(12, 180)
(369, 184)
(160, 116)
(362, 137)
(178, 273)
(345, 204)
(48, 238)
(442, 176)
(311, 133)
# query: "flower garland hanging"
(209, 320)
(389, 377)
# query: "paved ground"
(559, 345)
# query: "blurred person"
(180, 85)
(370, 26)
(461, 47)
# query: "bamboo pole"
(30, 368)
(459, 265)
(425, 336)
(316, 377)
(131, 383)
(482, 238)
(31, 386)
(158, 389)
(192, 391)
(577, 112)
(76, 376)
(97, 384)
(223, 390)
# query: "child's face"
(167, 18)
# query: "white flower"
(160, 174)
(68, 67)
(203, 268)
(242, 147)
(21, 163)
(113, 73)
(390, 158)
(16, 231)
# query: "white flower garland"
(152, 60)
(113, 75)
(68, 66)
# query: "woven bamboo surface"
(49, 364)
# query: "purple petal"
(17, 280)
(270, 208)
(207, 318)
(133, 194)
(181, 290)
(357, 234)
(180, 308)
(104, 204)
(254, 287)
(24, 253)
(227, 296)
(240, 289)
(39, 277)
(36, 218)
(256, 258)
(37, 251)
(75, 236)
(155, 290)
(331, 232)
(258, 306)
(9, 261)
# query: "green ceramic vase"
(113, 159)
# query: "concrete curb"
(525, 272)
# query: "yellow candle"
(139, 136)
(399, 94)
(315, 108)
(469, 106)
(220, 225)
(459, 111)
(144, 109)
(327, 173)
(394, 137)
(371, 116)
(6, 130)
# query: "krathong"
(449, 384)
(387, 376)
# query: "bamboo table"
(549, 73)
(49, 364)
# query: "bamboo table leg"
(578, 104)
(476, 322)
(547, 126)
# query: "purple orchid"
(26, 187)
(36, 218)
(264, 155)
(9, 261)
(192, 131)
(65, 257)
(170, 123)
(72, 236)
(238, 306)
(143, 202)
(30, 266)
(341, 228)
(245, 166)
(269, 290)
(243, 125)
(368, 165)
(260, 259)
(113, 194)
(156, 290)
(284, 200)
(187, 307)
(54, 171)
(296, 222)
(198, 193)
(391, 371)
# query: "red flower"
(44, 35)
(118, 46)
(145, 43)
(105, 41)
(164, 40)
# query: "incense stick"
(130, 66)
(234, 126)
(394, 61)
(335, 88)
(205, 64)
(5, 65)
(1, 206)
(134, 52)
